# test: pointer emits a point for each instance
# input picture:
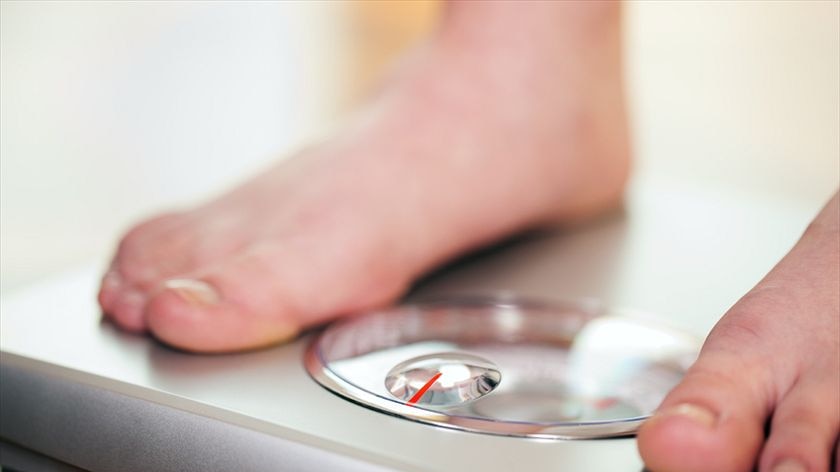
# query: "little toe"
(713, 420)
(804, 427)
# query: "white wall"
(110, 111)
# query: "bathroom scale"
(545, 352)
(504, 365)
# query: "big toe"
(260, 296)
(715, 418)
(197, 315)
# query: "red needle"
(417, 396)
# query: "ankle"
(501, 25)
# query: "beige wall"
(742, 93)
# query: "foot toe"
(262, 295)
(238, 304)
(713, 420)
(804, 427)
(126, 309)
(109, 291)
(193, 315)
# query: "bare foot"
(487, 130)
(772, 362)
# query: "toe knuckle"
(144, 247)
(753, 321)
(724, 377)
(140, 232)
(741, 343)
(722, 374)
(132, 242)
(129, 260)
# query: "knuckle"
(744, 334)
(128, 245)
(721, 372)
(754, 324)
(134, 237)
(723, 378)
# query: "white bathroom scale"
(544, 353)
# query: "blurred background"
(113, 111)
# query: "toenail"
(109, 290)
(789, 465)
(111, 280)
(194, 291)
(697, 414)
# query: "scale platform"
(77, 393)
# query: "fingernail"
(194, 291)
(789, 465)
(697, 414)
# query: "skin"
(773, 357)
(508, 118)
